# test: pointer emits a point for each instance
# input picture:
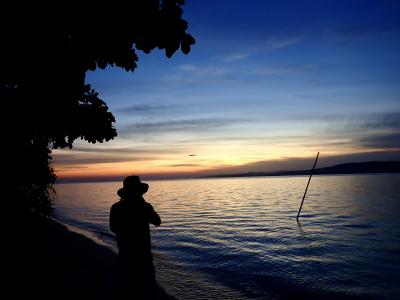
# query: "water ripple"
(241, 234)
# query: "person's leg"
(126, 277)
(146, 283)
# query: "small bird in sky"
(192, 154)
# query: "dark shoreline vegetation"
(348, 168)
(45, 89)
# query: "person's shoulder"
(148, 205)
(116, 205)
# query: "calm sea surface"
(238, 238)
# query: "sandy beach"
(55, 263)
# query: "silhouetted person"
(129, 220)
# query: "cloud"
(286, 70)
(235, 57)
(184, 165)
(120, 150)
(185, 125)
(358, 33)
(364, 130)
(93, 154)
(86, 159)
(189, 74)
(69, 168)
(275, 43)
(386, 120)
(204, 70)
(380, 130)
(355, 121)
(144, 108)
(385, 141)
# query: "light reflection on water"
(242, 234)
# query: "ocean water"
(237, 238)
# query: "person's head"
(132, 186)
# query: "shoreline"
(173, 280)
(63, 264)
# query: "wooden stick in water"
(305, 192)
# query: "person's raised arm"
(113, 219)
(154, 218)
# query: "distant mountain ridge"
(348, 168)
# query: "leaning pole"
(305, 192)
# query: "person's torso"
(133, 235)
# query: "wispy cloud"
(144, 108)
(204, 71)
(183, 125)
(93, 154)
(190, 74)
(120, 150)
(389, 120)
(382, 141)
(275, 43)
(285, 70)
(86, 159)
(235, 56)
(69, 168)
(356, 33)
(184, 165)
(382, 131)
(368, 131)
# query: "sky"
(267, 85)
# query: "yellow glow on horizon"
(207, 157)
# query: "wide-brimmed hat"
(132, 185)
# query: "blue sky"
(266, 82)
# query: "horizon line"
(281, 173)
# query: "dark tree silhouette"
(46, 51)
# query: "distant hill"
(349, 168)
